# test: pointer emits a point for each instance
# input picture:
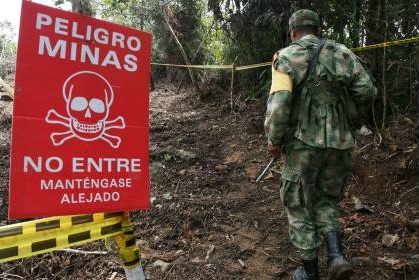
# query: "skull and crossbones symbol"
(88, 98)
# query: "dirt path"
(212, 202)
(210, 220)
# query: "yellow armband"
(280, 82)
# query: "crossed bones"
(58, 138)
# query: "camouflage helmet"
(304, 17)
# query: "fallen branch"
(390, 156)
(380, 139)
(113, 276)
(84, 252)
(209, 252)
(366, 146)
(8, 275)
(243, 265)
(412, 189)
(165, 277)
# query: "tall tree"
(83, 7)
(417, 73)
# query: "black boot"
(309, 271)
(338, 267)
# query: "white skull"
(89, 97)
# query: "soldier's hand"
(274, 150)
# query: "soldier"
(309, 115)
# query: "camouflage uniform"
(318, 156)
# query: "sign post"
(80, 118)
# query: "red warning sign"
(80, 119)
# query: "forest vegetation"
(242, 32)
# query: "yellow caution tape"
(264, 64)
(128, 249)
(45, 235)
(207, 66)
(386, 44)
(240, 68)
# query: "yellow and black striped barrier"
(265, 64)
(45, 235)
(128, 249)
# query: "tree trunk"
(305, 4)
(357, 24)
(383, 74)
(300, 4)
(196, 53)
(417, 73)
(182, 51)
(238, 6)
(318, 5)
(82, 6)
(340, 29)
(374, 31)
(142, 14)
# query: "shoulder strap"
(310, 68)
(297, 90)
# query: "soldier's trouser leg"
(302, 231)
(300, 170)
(313, 183)
(302, 228)
(330, 190)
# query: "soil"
(209, 218)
